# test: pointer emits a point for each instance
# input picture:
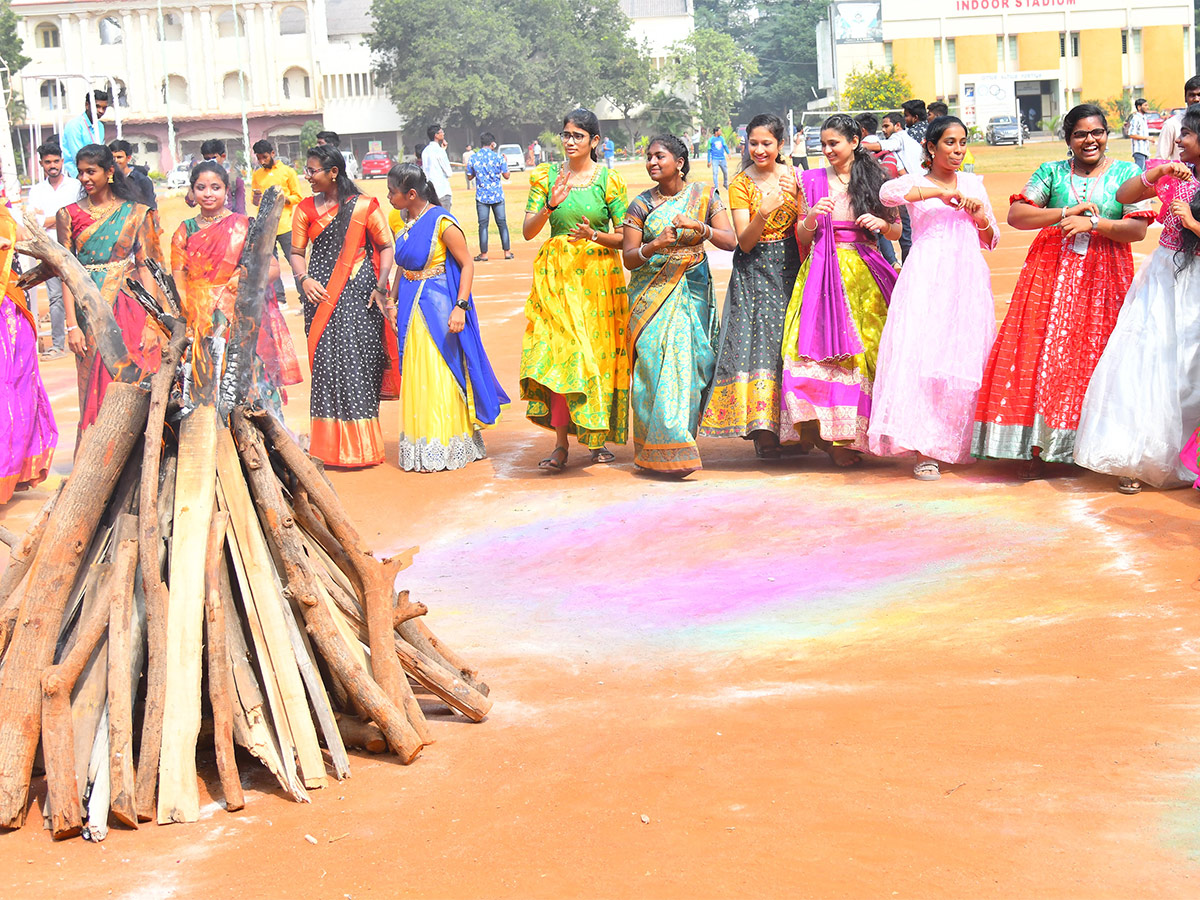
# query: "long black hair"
(209, 165)
(1189, 241)
(1077, 114)
(773, 124)
(331, 158)
(934, 133)
(676, 147)
(405, 177)
(102, 156)
(585, 119)
(866, 175)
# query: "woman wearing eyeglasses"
(1066, 301)
(574, 359)
(343, 285)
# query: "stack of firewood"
(197, 563)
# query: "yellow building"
(1059, 52)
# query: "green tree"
(875, 88)
(308, 135)
(784, 41)
(629, 82)
(732, 17)
(511, 61)
(715, 67)
(12, 54)
(666, 113)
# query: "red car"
(1154, 120)
(376, 165)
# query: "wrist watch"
(1095, 220)
(464, 305)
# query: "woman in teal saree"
(673, 316)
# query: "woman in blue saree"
(448, 391)
(673, 316)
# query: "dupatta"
(463, 353)
(827, 329)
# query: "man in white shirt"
(436, 164)
(46, 198)
(1167, 148)
(1139, 134)
(911, 155)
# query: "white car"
(180, 176)
(514, 156)
(351, 164)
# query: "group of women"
(821, 344)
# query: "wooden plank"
(270, 607)
(195, 501)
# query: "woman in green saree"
(673, 316)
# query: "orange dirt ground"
(770, 680)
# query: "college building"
(1058, 52)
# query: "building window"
(307, 87)
(887, 54)
(1062, 46)
(1137, 41)
(1124, 42)
(292, 21)
(937, 52)
(950, 50)
(48, 37)
(175, 91)
(110, 31)
(231, 88)
(999, 47)
(228, 26)
(1075, 44)
(1012, 47)
(296, 84)
(121, 95)
(170, 27)
(51, 93)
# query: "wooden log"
(102, 454)
(150, 551)
(121, 686)
(417, 633)
(21, 552)
(58, 746)
(314, 524)
(360, 734)
(266, 608)
(377, 577)
(95, 313)
(250, 728)
(281, 531)
(219, 673)
(195, 501)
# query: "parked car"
(1002, 130)
(514, 156)
(376, 165)
(180, 176)
(812, 140)
(351, 164)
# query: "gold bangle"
(805, 226)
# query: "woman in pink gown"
(942, 321)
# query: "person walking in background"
(207, 265)
(122, 152)
(28, 434)
(110, 232)
(1139, 134)
(840, 302)
(799, 150)
(672, 307)
(1066, 300)
(537, 152)
(488, 167)
(1167, 148)
(448, 390)
(466, 162)
(610, 152)
(916, 121)
(344, 287)
(574, 355)
(235, 199)
(436, 164)
(273, 173)
(910, 152)
(329, 139)
(697, 137)
(86, 128)
(46, 198)
(744, 402)
(936, 110)
(1142, 400)
(942, 317)
(718, 157)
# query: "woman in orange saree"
(113, 236)
(206, 262)
(343, 285)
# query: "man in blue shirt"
(610, 152)
(718, 153)
(487, 167)
(84, 129)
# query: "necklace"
(413, 221)
(772, 179)
(100, 211)
(1090, 183)
(211, 220)
(949, 187)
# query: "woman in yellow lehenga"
(574, 361)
